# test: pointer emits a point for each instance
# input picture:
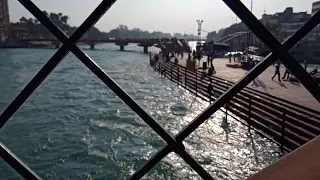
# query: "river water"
(74, 127)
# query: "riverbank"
(291, 91)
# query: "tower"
(4, 20)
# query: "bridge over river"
(121, 42)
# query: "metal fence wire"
(174, 144)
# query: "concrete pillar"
(145, 49)
(121, 47)
(91, 46)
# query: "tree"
(45, 12)
(123, 27)
(64, 20)
(36, 22)
(54, 17)
(30, 21)
(60, 15)
(212, 36)
(94, 33)
(37, 29)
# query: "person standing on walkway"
(176, 60)
(212, 56)
(208, 60)
(194, 55)
(305, 65)
(277, 72)
(230, 56)
(286, 73)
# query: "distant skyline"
(171, 16)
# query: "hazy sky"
(152, 15)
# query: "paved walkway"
(294, 92)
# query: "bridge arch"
(230, 36)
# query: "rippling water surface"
(74, 127)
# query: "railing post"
(196, 84)
(185, 77)
(171, 73)
(249, 114)
(283, 130)
(210, 91)
(150, 59)
(226, 107)
(178, 80)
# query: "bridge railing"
(222, 40)
(174, 144)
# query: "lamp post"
(249, 36)
(199, 30)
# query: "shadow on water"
(253, 146)
(226, 127)
(179, 109)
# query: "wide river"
(74, 127)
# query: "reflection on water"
(74, 127)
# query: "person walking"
(286, 73)
(277, 72)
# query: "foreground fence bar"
(173, 144)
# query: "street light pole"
(249, 35)
(250, 43)
(199, 30)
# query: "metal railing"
(174, 144)
(288, 124)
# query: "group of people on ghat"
(236, 57)
(250, 62)
(192, 55)
(197, 55)
(287, 74)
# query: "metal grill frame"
(174, 144)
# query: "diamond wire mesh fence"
(174, 144)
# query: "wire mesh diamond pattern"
(174, 144)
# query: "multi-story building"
(4, 20)
(286, 23)
(314, 10)
(315, 7)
